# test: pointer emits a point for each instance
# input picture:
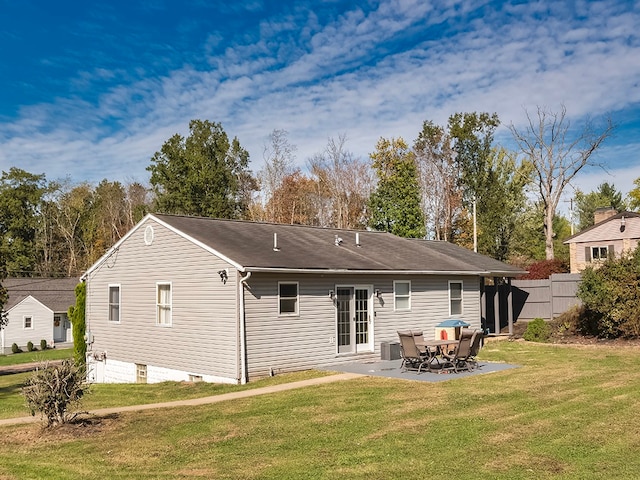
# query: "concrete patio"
(391, 369)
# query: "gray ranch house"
(37, 310)
(187, 298)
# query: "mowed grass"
(36, 356)
(566, 413)
(114, 395)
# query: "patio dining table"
(438, 344)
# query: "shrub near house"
(611, 296)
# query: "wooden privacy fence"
(533, 298)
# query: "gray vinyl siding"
(202, 338)
(287, 343)
(429, 305)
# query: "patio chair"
(412, 357)
(425, 349)
(459, 359)
(476, 345)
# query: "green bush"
(611, 294)
(30, 346)
(537, 331)
(15, 348)
(43, 344)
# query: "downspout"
(243, 328)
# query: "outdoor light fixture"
(622, 224)
(224, 275)
(331, 294)
(378, 293)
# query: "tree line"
(452, 181)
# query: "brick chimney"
(603, 213)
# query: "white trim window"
(455, 297)
(288, 298)
(27, 322)
(402, 295)
(163, 304)
(114, 303)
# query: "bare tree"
(557, 154)
(344, 183)
(438, 173)
(279, 157)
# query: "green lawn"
(567, 413)
(36, 356)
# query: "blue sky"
(91, 90)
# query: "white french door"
(354, 309)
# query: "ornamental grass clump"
(55, 391)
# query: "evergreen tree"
(78, 324)
(204, 174)
(587, 203)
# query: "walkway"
(25, 367)
(203, 400)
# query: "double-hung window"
(288, 298)
(455, 298)
(28, 322)
(402, 295)
(114, 303)
(163, 304)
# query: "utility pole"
(475, 227)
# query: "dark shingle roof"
(58, 294)
(250, 246)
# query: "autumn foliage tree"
(293, 201)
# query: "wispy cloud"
(366, 73)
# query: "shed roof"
(250, 247)
(58, 294)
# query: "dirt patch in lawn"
(38, 434)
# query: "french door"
(354, 309)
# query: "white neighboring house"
(37, 310)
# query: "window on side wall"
(28, 321)
(114, 303)
(288, 298)
(402, 295)
(163, 304)
(599, 253)
(455, 298)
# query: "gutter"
(243, 329)
(481, 273)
